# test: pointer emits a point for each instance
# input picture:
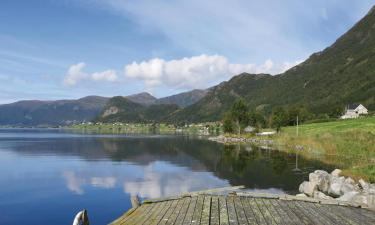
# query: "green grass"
(347, 144)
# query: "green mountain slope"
(121, 109)
(183, 99)
(342, 73)
(142, 98)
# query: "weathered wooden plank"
(190, 212)
(248, 211)
(241, 216)
(291, 208)
(134, 214)
(257, 213)
(335, 213)
(231, 211)
(153, 216)
(316, 218)
(173, 217)
(157, 218)
(367, 213)
(216, 190)
(355, 218)
(359, 215)
(215, 218)
(198, 211)
(183, 211)
(285, 218)
(169, 213)
(236, 210)
(136, 217)
(206, 210)
(275, 215)
(224, 218)
(331, 217)
(266, 213)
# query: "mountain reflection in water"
(66, 172)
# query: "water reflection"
(101, 172)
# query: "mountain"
(338, 75)
(142, 98)
(61, 112)
(121, 109)
(183, 99)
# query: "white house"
(354, 111)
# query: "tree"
(228, 123)
(300, 111)
(279, 118)
(240, 114)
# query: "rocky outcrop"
(324, 185)
(223, 139)
(111, 111)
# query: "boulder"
(308, 188)
(336, 172)
(364, 184)
(321, 178)
(348, 196)
(346, 187)
(321, 195)
(364, 199)
(335, 187)
(349, 181)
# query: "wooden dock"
(245, 208)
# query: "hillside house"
(354, 111)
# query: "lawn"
(348, 144)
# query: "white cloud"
(108, 75)
(103, 182)
(73, 182)
(75, 74)
(157, 183)
(195, 72)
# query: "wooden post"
(297, 125)
(135, 201)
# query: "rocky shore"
(228, 140)
(327, 186)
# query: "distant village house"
(354, 111)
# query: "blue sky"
(63, 49)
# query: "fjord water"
(47, 176)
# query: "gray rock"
(348, 196)
(346, 187)
(321, 178)
(301, 195)
(308, 188)
(364, 184)
(321, 195)
(349, 181)
(365, 199)
(335, 186)
(336, 172)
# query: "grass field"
(347, 144)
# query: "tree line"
(241, 116)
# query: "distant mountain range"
(182, 99)
(47, 113)
(65, 112)
(340, 74)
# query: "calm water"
(47, 176)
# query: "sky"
(68, 49)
